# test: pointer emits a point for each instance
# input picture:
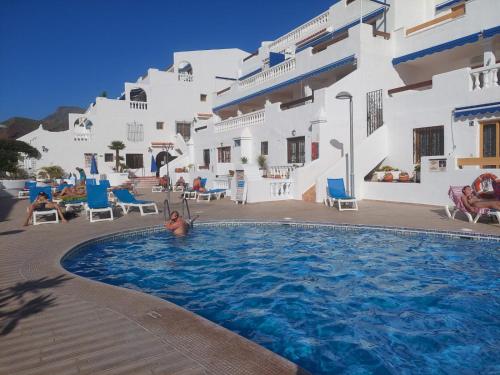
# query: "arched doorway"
(162, 158)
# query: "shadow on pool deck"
(21, 295)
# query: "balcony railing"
(185, 77)
(462, 162)
(455, 12)
(139, 105)
(300, 32)
(249, 119)
(485, 77)
(269, 74)
(281, 189)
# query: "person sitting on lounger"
(197, 185)
(177, 224)
(42, 202)
(180, 183)
(472, 203)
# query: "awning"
(479, 109)
(345, 61)
(438, 48)
(488, 33)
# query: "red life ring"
(484, 180)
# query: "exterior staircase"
(145, 182)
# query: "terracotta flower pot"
(388, 177)
(404, 177)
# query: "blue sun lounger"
(216, 193)
(97, 202)
(125, 200)
(336, 193)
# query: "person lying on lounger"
(42, 202)
(473, 203)
(73, 191)
(177, 224)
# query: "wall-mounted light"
(293, 133)
(471, 123)
(45, 149)
(150, 150)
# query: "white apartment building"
(424, 81)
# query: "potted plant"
(262, 161)
(244, 160)
(404, 176)
(417, 172)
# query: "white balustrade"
(82, 137)
(185, 77)
(249, 119)
(269, 74)
(221, 183)
(485, 77)
(280, 171)
(300, 32)
(139, 105)
(281, 189)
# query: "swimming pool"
(333, 300)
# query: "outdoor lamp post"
(343, 95)
(166, 148)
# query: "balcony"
(269, 74)
(300, 32)
(249, 119)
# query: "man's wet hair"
(43, 194)
(465, 187)
(174, 212)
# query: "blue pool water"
(334, 302)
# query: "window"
(206, 157)
(489, 145)
(374, 111)
(224, 154)
(134, 161)
(264, 148)
(184, 129)
(428, 142)
(108, 157)
(203, 97)
(159, 125)
(87, 159)
(135, 132)
(296, 150)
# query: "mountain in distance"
(55, 122)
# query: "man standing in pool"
(177, 224)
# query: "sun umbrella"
(93, 166)
(154, 167)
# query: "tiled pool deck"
(52, 322)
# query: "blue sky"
(66, 52)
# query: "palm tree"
(117, 146)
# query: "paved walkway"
(53, 322)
